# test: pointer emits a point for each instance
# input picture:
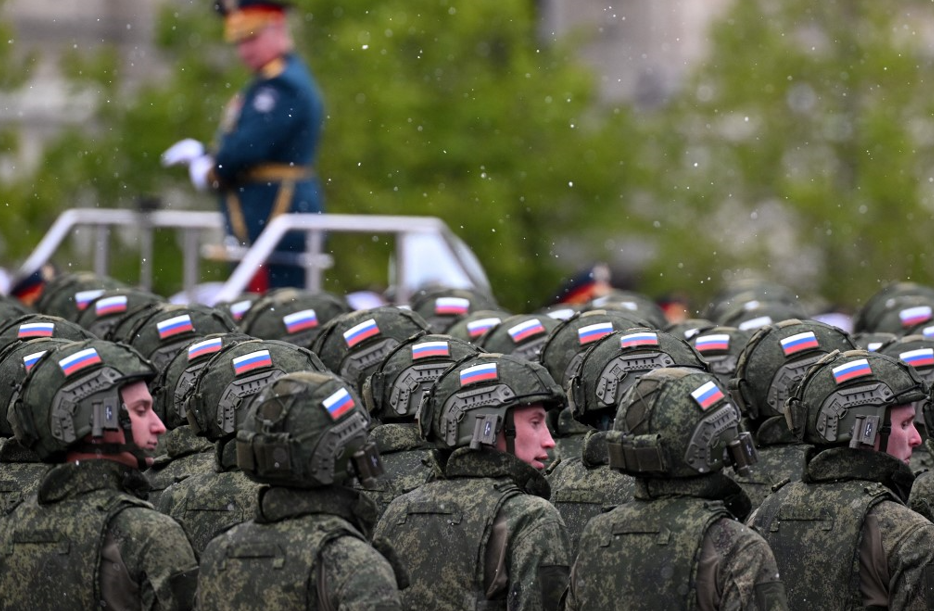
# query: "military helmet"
(472, 327)
(16, 359)
(914, 350)
(688, 328)
(614, 363)
(522, 335)
(354, 344)
(231, 379)
(754, 315)
(170, 388)
(564, 347)
(169, 327)
(721, 347)
(775, 358)
(469, 404)
(561, 311)
(74, 391)
(885, 299)
(637, 304)
(905, 314)
(441, 307)
(11, 308)
(31, 326)
(678, 422)
(846, 396)
(292, 315)
(103, 312)
(67, 295)
(871, 341)
(394, 390)
(740, 292)
(239, 307)
(305, 430)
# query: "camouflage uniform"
(306, 546)
(121, 554)
(21, 471)
(184, 455)
(522, 543)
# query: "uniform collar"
(76, 478)
(181, 441)
(844, 463)
(277, 503)
(465, 462)
(713, 486)
(397, 437)
(773, 431)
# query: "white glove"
(182, 152)
(198, 170)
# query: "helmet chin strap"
(885, 430)
(112, 448)
(509, 432)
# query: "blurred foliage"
(799, 151)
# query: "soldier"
(292, 315)
(522, 335)
(306, 547)
(775, 358)
(485, 536)
(263, 165)
(842, 536)
(678, 544)
(392, 394)
(85, 540)
(442, 307)
(207, 504)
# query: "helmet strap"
(885, 430)
(509, 432)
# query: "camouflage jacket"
(586, 486)
(675, 546)
(569, 435)
(318, 556)
(20, 474)
(98, 544)
(781, 460)
(408, 462)
(921, 498)
(184, 455)
(885, 559)
(493, 508)
(208, 504)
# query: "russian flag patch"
(592, 333)
(914, 316)
(922, 357)
(645, 338)
(755, 323)
(798, 342)
(714, 341)
(525, 330)
(30, 359)
(251, 361)
(36, 329)
(174, 326)
(237, 310)
(853, 369)
(338, 404)
(358, 333)
(299, 321)
(429, 349)
(110, 305)
(83, 298)
(452, 306)
(707, 394)
(208, 346)
(476, 328)
(478, 373)
(79, 360)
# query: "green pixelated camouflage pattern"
(303, 550)
(815, 528)
(20, 474)
(568, 435)
(440, 533)
(56, 537)
(777, 465)
(181, 455)
(921, 498)
(210, 503)
(408, 462)
(585, 486)
(645, 553)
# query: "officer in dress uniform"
(263, 162)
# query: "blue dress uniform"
(267, 144)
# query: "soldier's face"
(533, 439)
(904, 437)
(145, 423)
(260, 49)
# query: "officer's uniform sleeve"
(355, 577)
(158, 558)
(528, 554)
(737, 571)
(272, 111)
(907, 539)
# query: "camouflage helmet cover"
(775, 358)
(292, 315)
(637, 304)
(468, 404)
(678, 422)
(223, 389)
(441, 307)
(103, 312)
(394, 390)
(522, 335)
(16, 359)
(74, 391)
(721, 347)
(845, 398)
(305, 430)
(67, 295)
(472, 327)
(32, 326)
(885, 299)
